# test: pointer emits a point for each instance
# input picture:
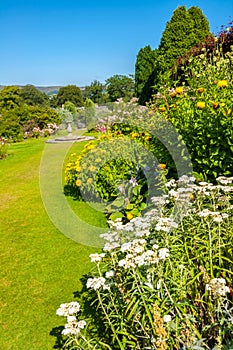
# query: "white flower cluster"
(73, 326)
(96, 257)
(218, 287)
(225, 180)
(217, 216)
(97, 283)
(165, 224)
(139, 255)
(69, 310)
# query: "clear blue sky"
(61, 42)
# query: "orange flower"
(173, 94)
(215, 105)
(162, 166)
(222, 83)
(200, 105)
(162, 109)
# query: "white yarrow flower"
(163, 253)
(167, 318)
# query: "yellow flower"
(98, 160)
(129, 216)
(78, 168)
(134, 134)
(78, 182)
(92, 168)
(179, 90)
(89, 180)
(200, 105)
(200, 90)
(222, 83)
(162, 166)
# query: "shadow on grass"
(90, 311)
(56, 332)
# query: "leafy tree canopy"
(10, 97)
(33, 97)
(95, 92)
(120, 86)
(70, 93)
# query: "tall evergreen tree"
(185, 29)
(144, 73)
(201, 25)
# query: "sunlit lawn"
(40, 267)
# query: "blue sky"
(48, 42)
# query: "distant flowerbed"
(163, 280)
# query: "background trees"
(185, 29)
(33, 97)
(95, 92)
(120, 86)
(10, 97)
(144, 73)
(70, 93)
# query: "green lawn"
(40, 266)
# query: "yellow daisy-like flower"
(78, 168)
(179, 90)
(222, 83)
(129, 216)
(200, 105)
(200, 90)
(89, 180)
(78, 182)
(92, 168)
(134, 134)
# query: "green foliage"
(10, 97)
(70, 93)
(202, 111)
(90, 113)
(144, 73)
(185, 29)
(95, 92)
(33, 97)
(20, 121)
(120, 86)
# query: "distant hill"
(48, 90)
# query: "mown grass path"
(40, 267)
